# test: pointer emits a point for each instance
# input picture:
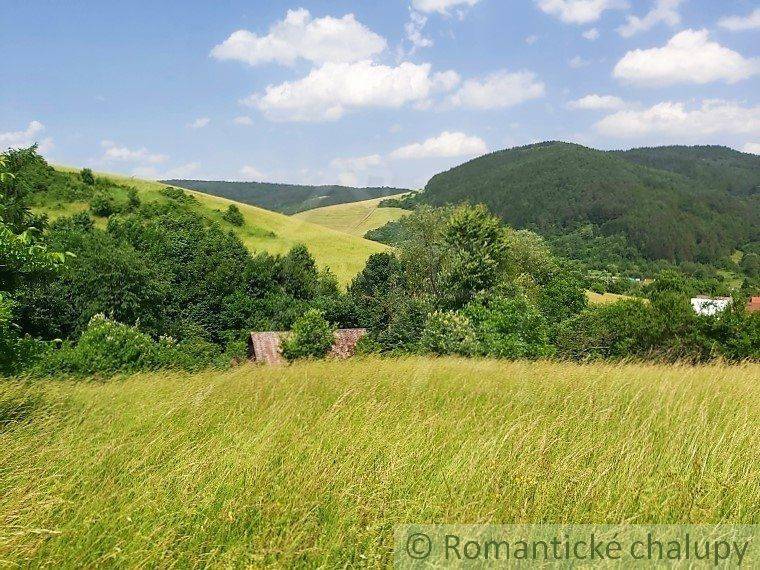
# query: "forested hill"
(698, 204)
(285, 198)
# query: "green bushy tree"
(448, 332)
(233, 215)
(312, 337)
(87, 176)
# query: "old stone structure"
(265, 347)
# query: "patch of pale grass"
(313, 464)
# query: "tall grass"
(314, 463)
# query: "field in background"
(605, 298)
(356, 218)
(313, 464)
(268, 231)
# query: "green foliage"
(448, 332)
(102, 205)
(87, 176)
(285, 198)
(509, 327)
(233, 215)
(555, 188)
(312, 337)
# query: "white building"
(704, 305)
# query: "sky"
(368, 92)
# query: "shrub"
(87, 176)
(448, 332)
(177, 194)
(102, 205)
(509, 328)
(133, 199)
(233, 215)
(312, 337)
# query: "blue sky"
(368, 92)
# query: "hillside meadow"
(356, 218)
(266, 231)
(312, 464)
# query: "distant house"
(709, 306)
(753, 305)
(266, 347)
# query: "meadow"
(312, 464)
(266, 231)
(355, 218)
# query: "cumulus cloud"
(116, 153)
(591, 34)
(681, 121)
(579, 11)
(596, 102)
(664, 11)
(441, 6)
(26, 138)
(414, 28)
(331, 90)
(497, 90)
(152, 173)
(244, 120)
(357, 162)
(741, 23)
(688, 57)
(445, 145)
(751, 148)
(199, 123)
(577, 62)
(249, 172)
(299, 36)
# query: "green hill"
(356, 218)
(673, 203)
(285, 198)
(263, 230)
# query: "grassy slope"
(356, 218)
(345, 255)
(314, 463)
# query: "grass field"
(356, 218)
(313, 464)
(268, 231)
(605, 298)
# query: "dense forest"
(134, 284)
(285, 198)
(693, 204)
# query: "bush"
(233, 215)
(312, 337)
(448, 332)
(87, 176)
(133, 200)
(509, 328)
(102, 205)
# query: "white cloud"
(243, 120)
(199, 123)
(357, 163)
(299, 36)
(530, 40)
(579, 11)
(348, 179)
(251, 173)
(331, 90)
(591, 34)
(26, 138)
(115, 153)
(751, 148)
(414, 28)
(497, 90)
(446, 145)
(181, 171)
(440, 6)
(677, 120)
(595, 102)
(665, 11)
(577, 62)
(688, 57)
(741, 23)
